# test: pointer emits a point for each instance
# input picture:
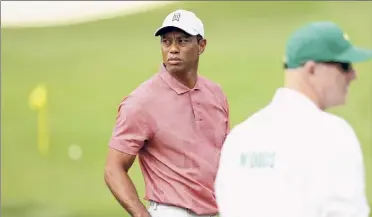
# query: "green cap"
(322, 42)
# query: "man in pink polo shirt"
(176, 122)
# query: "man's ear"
(202, 45)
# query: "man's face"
(181, 51)
(331, 82)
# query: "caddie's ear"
(309, 67)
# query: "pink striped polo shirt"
(177, 133)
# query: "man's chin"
(174, 68)
(338, 103)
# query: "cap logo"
(176, 17)
(346, 37)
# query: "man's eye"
(165, 41)
(184, 40)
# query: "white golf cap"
(184, 20)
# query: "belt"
(156, 204)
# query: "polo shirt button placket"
(197, 112)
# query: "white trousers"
(162, 210)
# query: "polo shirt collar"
(294, 98)
(174, 84)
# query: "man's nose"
(352, 75)
(174, 48)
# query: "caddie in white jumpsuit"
(291, 158)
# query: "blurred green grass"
(90, 67)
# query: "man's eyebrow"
(179, 36)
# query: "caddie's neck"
(295, 80)
(187, 77)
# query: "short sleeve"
(225, 104)
(132, 128)
(227, 109)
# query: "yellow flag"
(38, 101)
(38, 97)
